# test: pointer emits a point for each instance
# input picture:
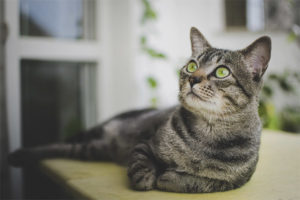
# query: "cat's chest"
(174, 149)
(206, 154)
(184, 158)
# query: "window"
(53, 57)
(245, 15)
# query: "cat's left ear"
(198, 42)
(257, 56)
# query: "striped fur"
(208, 143)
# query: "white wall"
(130, 67)
(170, 33)
(117, 84)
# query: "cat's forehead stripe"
(216, 56)
(218, 60)
(198, 58)
(212, 55)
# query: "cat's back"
(141, 123)
(133, 126)
(122, 132)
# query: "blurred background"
(66, 65)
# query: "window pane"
(74, 19)
(235, 13)
(58, 100)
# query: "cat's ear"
(198, 41)
(257, 56)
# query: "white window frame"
(43, 48)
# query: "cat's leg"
(93, 150)
(175, 181)
(141, 168)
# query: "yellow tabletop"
(277, 176)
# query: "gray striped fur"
(208, 143)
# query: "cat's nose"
(195, 79)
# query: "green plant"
(150, 51)
(149, 14)
(152, 83)
(288, 117)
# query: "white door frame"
(21, 47)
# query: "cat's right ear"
(257, 56)
(198, 41)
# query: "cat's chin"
(198, 104)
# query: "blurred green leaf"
(273, 77)
(153, 102)
(268, 115)
(285, 86)
(297, 76)
(267, 90)
(290, 119)
(292, 37)
(149, 13)
(72, 128)
(154, 54)
(274, 122)
(143, 40)
(291, 2)
(152, 82)
(178, 72)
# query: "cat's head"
(221, 81)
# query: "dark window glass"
(235, 13)
(58, 100)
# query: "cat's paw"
(21, 158)
(142, 178)
(169, 181)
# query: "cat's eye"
(192, 67)
(222, 72)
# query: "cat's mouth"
(193, 94)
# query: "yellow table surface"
(277, 176)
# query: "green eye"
(192, 67)
(222, 72)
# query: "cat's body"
(208, 143)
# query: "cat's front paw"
(142, 178)
(21, 158)
(169, 181)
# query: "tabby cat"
(208, 143)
